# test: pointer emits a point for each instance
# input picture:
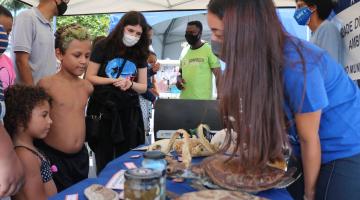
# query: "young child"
(27, 118)
(7, 72)
(152, 70)
(146, 99)
(65, 143)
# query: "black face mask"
(62, 7)
(192, 39)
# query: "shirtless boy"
(64, 145)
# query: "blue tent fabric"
(169, 28)
(154, 17)
(285, 15)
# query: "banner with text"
(348, 15)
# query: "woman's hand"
(123, 83)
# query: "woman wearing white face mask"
(118, 72)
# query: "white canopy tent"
(81, 7)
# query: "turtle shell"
(218, 194)
(229, 175)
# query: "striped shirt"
(3, 39)
(2, 103)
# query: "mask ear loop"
(312, 12)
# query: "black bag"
(92, 123)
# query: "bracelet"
(132, 83)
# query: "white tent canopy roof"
(79, 7)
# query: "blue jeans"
(338, 180)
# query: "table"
(178, 188)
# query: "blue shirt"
(322, 85)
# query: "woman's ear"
(313, 8)
(58, 54)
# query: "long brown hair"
(252, 96)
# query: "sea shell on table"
(99, 192)
(228, 174)
(218, 194)
(188, 146)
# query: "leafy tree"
(96, 24)
(13, 5)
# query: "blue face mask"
(302, 15)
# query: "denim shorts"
(338, 180)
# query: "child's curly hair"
(64, 35)
(20, 100)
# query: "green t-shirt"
(196, 65)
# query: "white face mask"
(130, 40)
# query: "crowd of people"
(275, 91)
(46, 102)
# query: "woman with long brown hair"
(278, 89)
(118, 71)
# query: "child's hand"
(156, 67)
(154, 92)
(180, 83)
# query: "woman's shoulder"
(328, 26)
(298, 50)
(301, 56)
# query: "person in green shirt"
(197, 65)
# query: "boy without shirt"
(64, 144)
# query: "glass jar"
(142, 184)
(155, 160)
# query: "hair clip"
(53, 169)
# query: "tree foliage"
(13, 6)
(96, 24)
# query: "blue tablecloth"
(178, 188)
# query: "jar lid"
(154, 155)
(142, 174)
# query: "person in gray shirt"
(325, 34)
(33, 41)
